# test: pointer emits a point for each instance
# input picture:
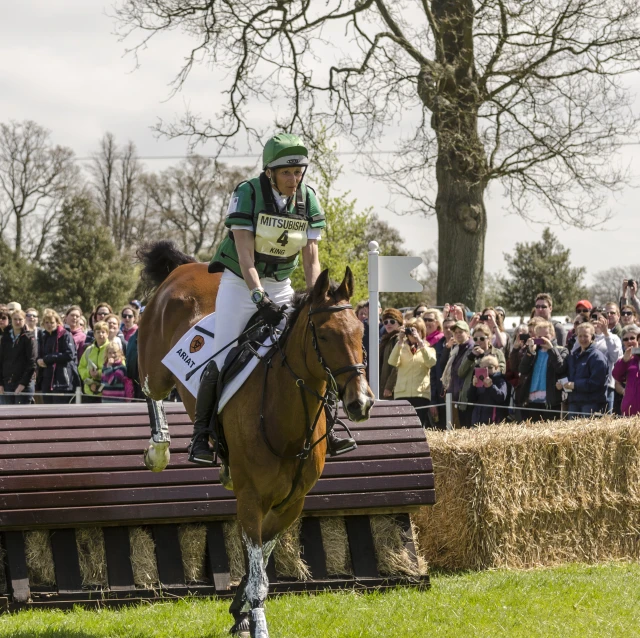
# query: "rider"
(271, 219)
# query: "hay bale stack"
(39, 557)
(143, 558)
(528, 495)
(193, 544)
(287, 555)
(92, 556)
(336, 546)
(391, 553)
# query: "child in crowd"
(92, 362)
(114, 373)
(490, 393)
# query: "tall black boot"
(337, 446)
(200, 450)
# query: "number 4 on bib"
(283, 240)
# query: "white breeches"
(234, 308)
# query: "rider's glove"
(270, 312)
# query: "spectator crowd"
(46, 358)
(539, 371)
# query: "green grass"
(575, 600)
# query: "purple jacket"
(628, 372)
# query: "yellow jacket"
(413, 371)
(96, 355)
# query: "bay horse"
(321, 356)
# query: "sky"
(63, 66)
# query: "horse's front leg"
(257, 586)
(156, 456)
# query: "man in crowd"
(630, 292)
(17, 362)
(544, 308)
(613, 318)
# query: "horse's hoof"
(241, 627)
(258, 623)
(225, 477)
(156, 456)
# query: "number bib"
(278, 237)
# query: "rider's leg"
(200, 450)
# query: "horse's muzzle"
(359, 409)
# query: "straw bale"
(391, 553)
(92, 556)
(233, 545)
(336, 546)
(286, 554)
(3, 575)
(193, 545)
(40, 566)
(143, 558)
(528, 495)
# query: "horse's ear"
(321, 287)
(345, 291)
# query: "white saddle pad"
(194, 350)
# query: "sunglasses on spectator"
(480, 338)
(582, 310)
(386, 322)
(131, 317)
(418, 313)
(101, 314)
(626, 313)
(31, 316)
(541, 307)
(629, 338)
(428, 320)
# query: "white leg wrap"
(259, 623)
(257, 587)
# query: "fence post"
(78, 394)
(374, 336)
(449, 410)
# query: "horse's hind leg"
(156, 456)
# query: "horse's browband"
(315, 311)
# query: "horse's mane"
(303, 297)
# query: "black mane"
(302, 297)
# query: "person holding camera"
(630, 294)
(451, 381)
(544, 309)
(587, 371)
(499, 337)
(489, 392)
(392, 322)
(627, 371)
(542, 365)
(414, 358)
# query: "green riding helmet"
(284, 149)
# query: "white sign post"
(386, 274)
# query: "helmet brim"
(289, 160)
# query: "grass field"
(575, 600)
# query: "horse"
(275, 425)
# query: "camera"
(523, 337)
(635, 351)
(538, 342)
(408, 331)
(631, 282)
(484, 317)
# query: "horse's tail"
(160, 258)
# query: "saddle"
(254, 336)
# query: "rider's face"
(287, 179)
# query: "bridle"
(328, 401)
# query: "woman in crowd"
(115, 334)
(627, 372)
(100, 313)
(18, 349)
(392, 322)
(419, 310)
(57, 372)
(436, 339)
(451, 379)
(628, 316)
(499, 337)
(72, 321)
(587, 372)
(610, 346)
(572, 334)
(5, 320)
(92, 362)
(114, 375)
(414, 358)
(129, 322)
(542, 365)
(489, 393)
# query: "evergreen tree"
(542, 266)
(17, 277)
(84, 266)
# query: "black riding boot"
(337, 446)
(200, 450)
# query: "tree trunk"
(462, 228)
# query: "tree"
(35, 176)
(17, 277)
(117, 174)
(530, 93)
(84, 266)
(191, 201)
(542, 266)
(607, 284)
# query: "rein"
(328, 401)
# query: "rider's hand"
(270, 312)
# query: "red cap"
(585, 303)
